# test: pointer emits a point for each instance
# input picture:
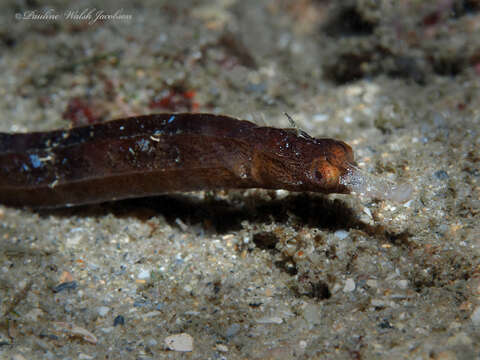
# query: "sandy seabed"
(252, 274)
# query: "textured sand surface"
(252, 274)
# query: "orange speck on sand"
(65, 277)
(189, 94)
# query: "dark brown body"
(154, 154)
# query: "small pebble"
(119, 320)
(349, 285)
(320, 117)
(144, 274)
(65, 277)
(179, 342)
(4, 340)
(181, 224)
(341, 234)
(34, 314)
(75, 331)
(377, 302)
(192, 313)
(141, 303)
(402, 284)
(75, 239)
(17, 357)
(385, 324)
(151, 314)
(441, 175)
(459, 339)
(152, 342)
(222, 348)
(312, 314)
(476, 316)
(256, 88)
(103, 310)
(83, 356)
(366, 216)
(232, 330)
(270, 320)
(70, 285)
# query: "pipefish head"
(335, 159)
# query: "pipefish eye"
(324, 172)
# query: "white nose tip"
(375, 187)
